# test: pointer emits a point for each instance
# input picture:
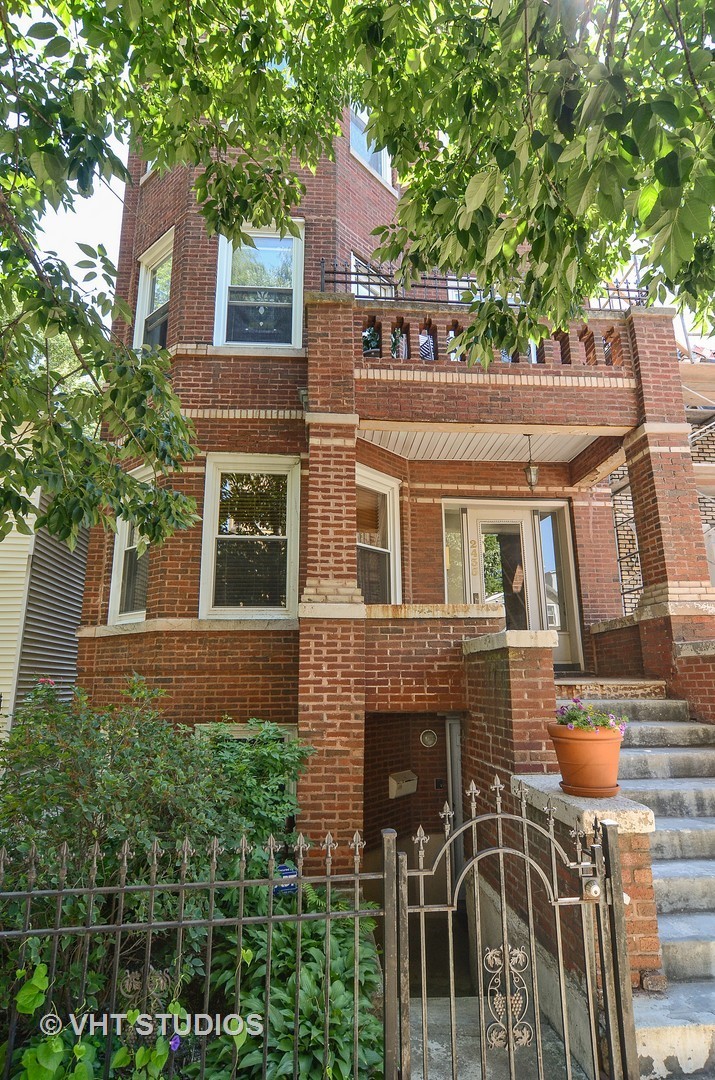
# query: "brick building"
(365, 505)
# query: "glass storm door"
(516, 557)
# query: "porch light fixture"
(531, 471)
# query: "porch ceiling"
(431, 442)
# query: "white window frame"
(384, 173)
(248, 463)
(223, 281)
(389, 486)
(374, 285)
(151, 258)
(120, 545)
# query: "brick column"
(665, 505)
(667, 515)
(331, 676)
(510, 699)
(678, 602)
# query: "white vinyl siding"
(14, 554)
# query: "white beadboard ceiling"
(431, 445)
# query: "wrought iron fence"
(256, 964)
(381, 282)
(305, 963)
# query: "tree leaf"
(478, 189)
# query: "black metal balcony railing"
(380, 283)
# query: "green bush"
(70, 773)
(108, 784)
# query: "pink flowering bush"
(588, 717)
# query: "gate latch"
(591, 889)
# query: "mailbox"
(402, 783)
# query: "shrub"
(136, 798)
(70, 773)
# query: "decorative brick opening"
(372, 337)
(585, 336)
(612, 348)
(428, 340)
(564, 345)
(454, 329)
(400, 339)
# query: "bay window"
(259, 296)
(249, 557)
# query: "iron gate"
(524, 926)
(553, 918)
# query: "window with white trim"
(250, 536)
(364, 148)
(130, 574)
(259, 295)
(369, 282)
(378, 536)
(152, 314)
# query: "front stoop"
(668, 764)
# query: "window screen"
(251, 541)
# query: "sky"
(96, 220)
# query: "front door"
(518, 556)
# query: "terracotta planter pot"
(588, 760)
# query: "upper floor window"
(368, 281)
(260, 291)
(130, 574)
(363, 147)
(152, 315)
(250, 539)
(378, 536)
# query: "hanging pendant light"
(531, 471)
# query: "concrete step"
(683, 838)
(655, 763)
(596, 686)
(675, 797)
(688, 941)
(647, 710)
(668, 733)
(684, 884)
(676, 1030)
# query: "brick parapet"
(635, 826)
(510, 699)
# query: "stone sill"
(654, 611)
(193, 626)
(435, 611)
(259, 352)
(630, 816)
(512, 639)
(684, 649)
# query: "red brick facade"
(360, 681)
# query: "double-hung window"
(378, 537)
(250, 536)
(152, 314)
(130, 572)
(364, 148)
(259, 296)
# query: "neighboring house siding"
(14, 551)
(54, 606)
